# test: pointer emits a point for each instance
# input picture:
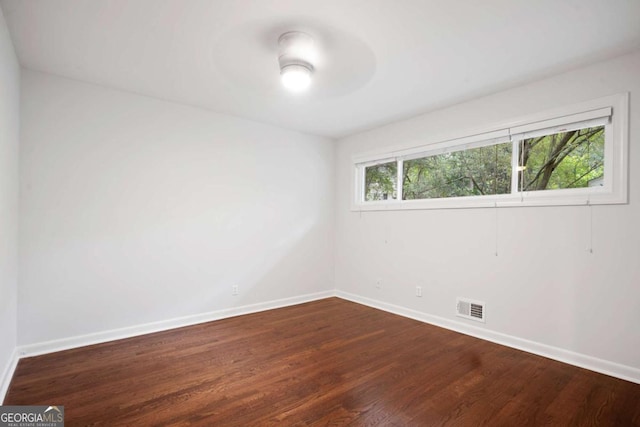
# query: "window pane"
(380, 182)
(474, 172)
(571, 159)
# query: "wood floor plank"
(325, 363)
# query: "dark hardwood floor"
(329, 362)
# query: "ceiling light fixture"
(295, 59)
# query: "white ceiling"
(381, 60)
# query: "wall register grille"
(469, 309)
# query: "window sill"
(560, 198)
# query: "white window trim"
(614, 190)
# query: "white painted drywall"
(544, 286)
(9, 142)
(136, 210)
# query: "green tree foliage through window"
(571, 159)
(473, 172)
(380, 181)
(563, 160)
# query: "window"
(474, 172)
(573, 159)
(576, 155)
(380, 181)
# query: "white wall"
(135, 210)
(9, 137)
(543, 286)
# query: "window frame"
(613, 191)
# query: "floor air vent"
(469, 309)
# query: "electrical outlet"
(418, 291)
(379, 284)
(234, 290)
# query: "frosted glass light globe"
(296, 77)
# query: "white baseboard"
(163, 325)
(583, 361)
(7, 374)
